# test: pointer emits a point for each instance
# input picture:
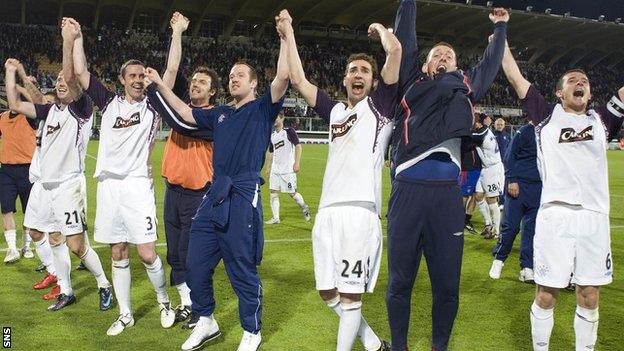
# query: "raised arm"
(295, 67)
(33, 93)
(179, 24)
(171, 103)
(15, 104)
(484, 72)
(70, 31)
(280, 82)
(513, 74)
(405, 31)
(80, 62)
(390, 70)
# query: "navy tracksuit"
(228, 223)
(425, 213)
(521, 168)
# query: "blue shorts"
(13, 183)
(468, 181)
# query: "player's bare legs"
(349, 308)
(586, 316)
(542, 320)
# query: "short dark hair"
(215, 83)
(560, 80)
(364, 57)
(252, 71)
(122, 70)
(440, 43)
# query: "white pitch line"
(277, 241)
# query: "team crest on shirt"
(569, 135)
(125, 123)
(343, 128)
(52, 129)
(221, 118)
(279, 144)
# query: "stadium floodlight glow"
(548, 11)
(468, 2)
(567, 14)
(529, 8)
(489, 4)
(601, 18)
(618, 20)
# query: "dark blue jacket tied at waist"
(220, 194)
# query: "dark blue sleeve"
(479, 135)
(82, 108)
(484, 72)
(536, 107)
(173, 119)
(324, 105)
(385, 98)
(100, 95)
(269, 109)
(510, 161)
(292, 136)
(405, 31)
(612, 116)
(41, 111)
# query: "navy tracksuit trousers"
(240, 246)
(523, 208)
(180, 207)
(424, 218)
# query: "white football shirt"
(283, 148)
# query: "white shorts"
(58, 207)
(571, 240)
(346, 245)
(491, 180)
(286, 183)
(125, 211)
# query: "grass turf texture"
(493, 315)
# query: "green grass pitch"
(493, 315)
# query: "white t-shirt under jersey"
(127, 133)
(283, 148)
(358, 140)
(62, 144)
(488, 151)
(571, 152)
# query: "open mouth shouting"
(441, 68)
(357, 88)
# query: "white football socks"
(369, 339)
(122, 281)
(485, 212)
(349, 325)
(585, 328)
(496, 216)
(44, 251)
(275, 205)
(92, 261)
(185, 294)
(156, 274)
(62, 264)
(299, 200)
(542, 322)
(10, 237)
